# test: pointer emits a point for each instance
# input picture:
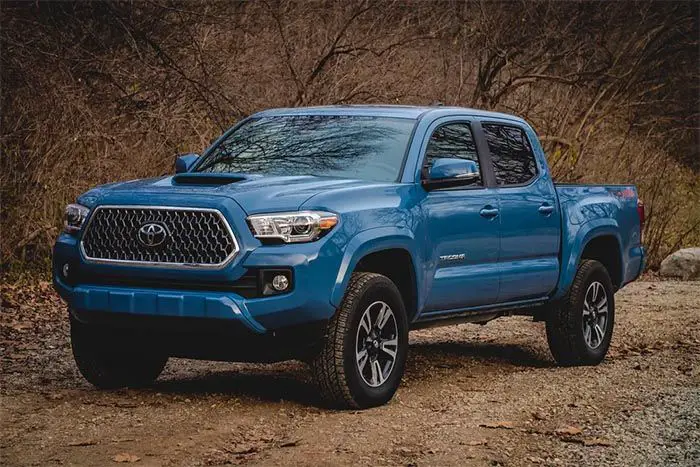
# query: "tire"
(571, 333)
(110, 359)
(354, 339)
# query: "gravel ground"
(472, 395)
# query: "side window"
(511, 155)
(453, 140)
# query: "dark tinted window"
(365, 148)
(453, 140)
(511, 154)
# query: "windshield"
(359, 147)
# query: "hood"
(254, 193)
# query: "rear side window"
(452, 140)
(511, 154)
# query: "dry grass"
(93, 93)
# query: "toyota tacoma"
(326, 234)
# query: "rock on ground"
(683, 263)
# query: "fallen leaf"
(568, 430)
(481, 442)
(571, 439)
(126, 405)
(245, 450)
(504, 425)
(289, 444)
(87, 442)
(126, 457)
(596, 442)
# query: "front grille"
(159, 236)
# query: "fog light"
(280, 282)
(64, 270)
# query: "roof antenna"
(437, 104)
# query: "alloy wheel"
(595, 315)
(376, 344)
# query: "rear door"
(462, 226)
(529, 214)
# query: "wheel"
(362, 359)
(579, 331)
(114, 359)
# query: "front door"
(462, 229)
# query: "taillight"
(640, 213)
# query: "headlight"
(74, 217)
(292, 227)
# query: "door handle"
(489, 212)
(546, 209)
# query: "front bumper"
(314, 267)
(154, 302)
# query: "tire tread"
(328, 365)
(563, 327)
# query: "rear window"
(511, 154)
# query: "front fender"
(367, 242)
(574, 242)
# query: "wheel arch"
(605, 249)
(397, 265)
(599, 240)
(387, 251)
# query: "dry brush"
(98, 92)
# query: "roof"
(397, 111)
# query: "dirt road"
(472, 395)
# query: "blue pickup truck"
(325, 234)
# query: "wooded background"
(98, 92)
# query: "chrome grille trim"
(177, 265)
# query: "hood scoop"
(206, 179)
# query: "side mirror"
(449, 172)
(184, 162)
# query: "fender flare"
(367, 242)
(571, 253)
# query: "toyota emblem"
(152, 234)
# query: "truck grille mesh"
(159, 235)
